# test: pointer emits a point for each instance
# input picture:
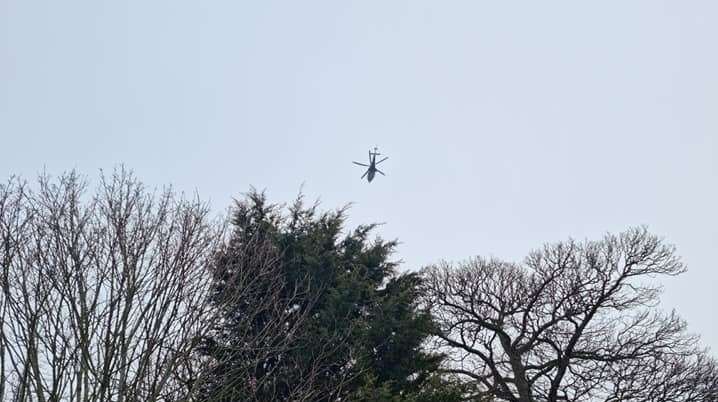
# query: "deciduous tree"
(576, 321)
(103, 295)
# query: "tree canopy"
(353, 324)
(576, 321)
(123, 294)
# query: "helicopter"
(371, 171)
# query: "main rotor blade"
(364, 175)
(382, 160)
(382, 173)
(360, 164)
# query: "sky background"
(508, 124)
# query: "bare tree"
(103, 296)
(575, 322)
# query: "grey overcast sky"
(508, 124)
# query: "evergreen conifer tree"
(349, 327)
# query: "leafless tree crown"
(574, 322)
(104, 294)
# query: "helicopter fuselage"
(371, 167)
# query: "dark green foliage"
(356, 332)
(433, 389)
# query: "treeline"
(119, 293)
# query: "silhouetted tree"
(352, 323)
(103, 296)
(575, 322)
